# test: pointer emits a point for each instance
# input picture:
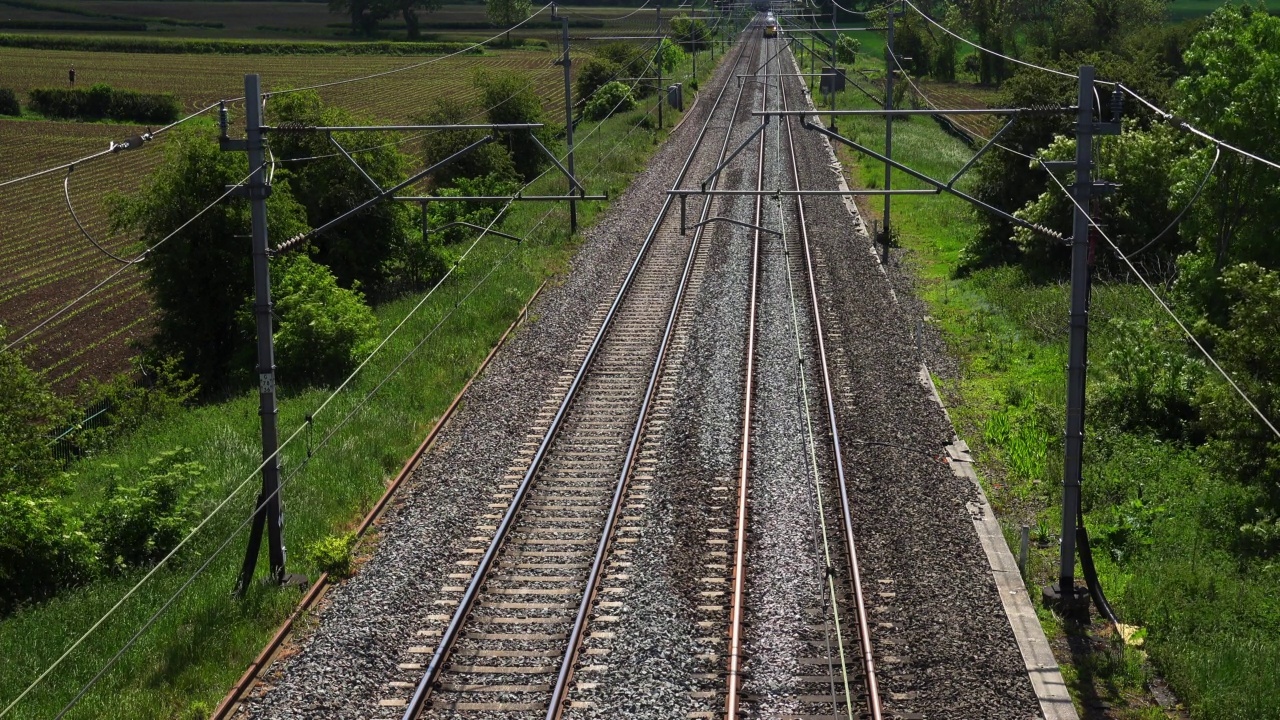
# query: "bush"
(1148, 385)
(322, 330)
(43, 548)
(489, 159)
(332, 554)
(28, 413)
(612, 97)
(633, 64)
(511, 100)
(101, 101)
(593, 75)
(187, 46)
(847, 48)
(137, 525)
(9, 103)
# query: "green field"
(276, 20)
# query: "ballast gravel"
(342, 668)
(943, 644)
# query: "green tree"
(505, 13)
(510, 99)
(367, 249)
(408, 10)
(199, 278)
(1230, 92)
(1240, 445)
(488, 159)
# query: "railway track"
(510, 646)
(525, 623)
(815, 663)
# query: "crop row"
(199, 81)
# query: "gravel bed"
(944, 645)
(341, 669)
(654, 655)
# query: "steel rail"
(846, 514)
(453, 631)
(561, 688)
(734, 677)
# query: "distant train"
(770, 26)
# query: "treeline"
(228, 47)
(103, 102)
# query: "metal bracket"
(476, 227)
(759, 129)
(941, 186)
(562, 168)
(731, 221)
(352, 160)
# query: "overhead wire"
(66, 193)
(1185, 126)
(1190, 336)
(289, 439)
(125, 266)
(112, 147)
(1195, 196)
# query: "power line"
(1166, 307)
(1185, 126)
(113, 147)
(279, 449)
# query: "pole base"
(1073, 604)
(295, 580)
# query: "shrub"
(489, 159)
(332, 554)
(136, 525)
(9, 103)
(1147, 384)
(847, 48)
(511, 99)
(613, 97)
(322, 330)
(28, 413)
(593, 74)
(43, 548)
(101, 101)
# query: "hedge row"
(104, 102)
(9, 103)
(226, 47)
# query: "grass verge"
(182, 665)
(1210, 620)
